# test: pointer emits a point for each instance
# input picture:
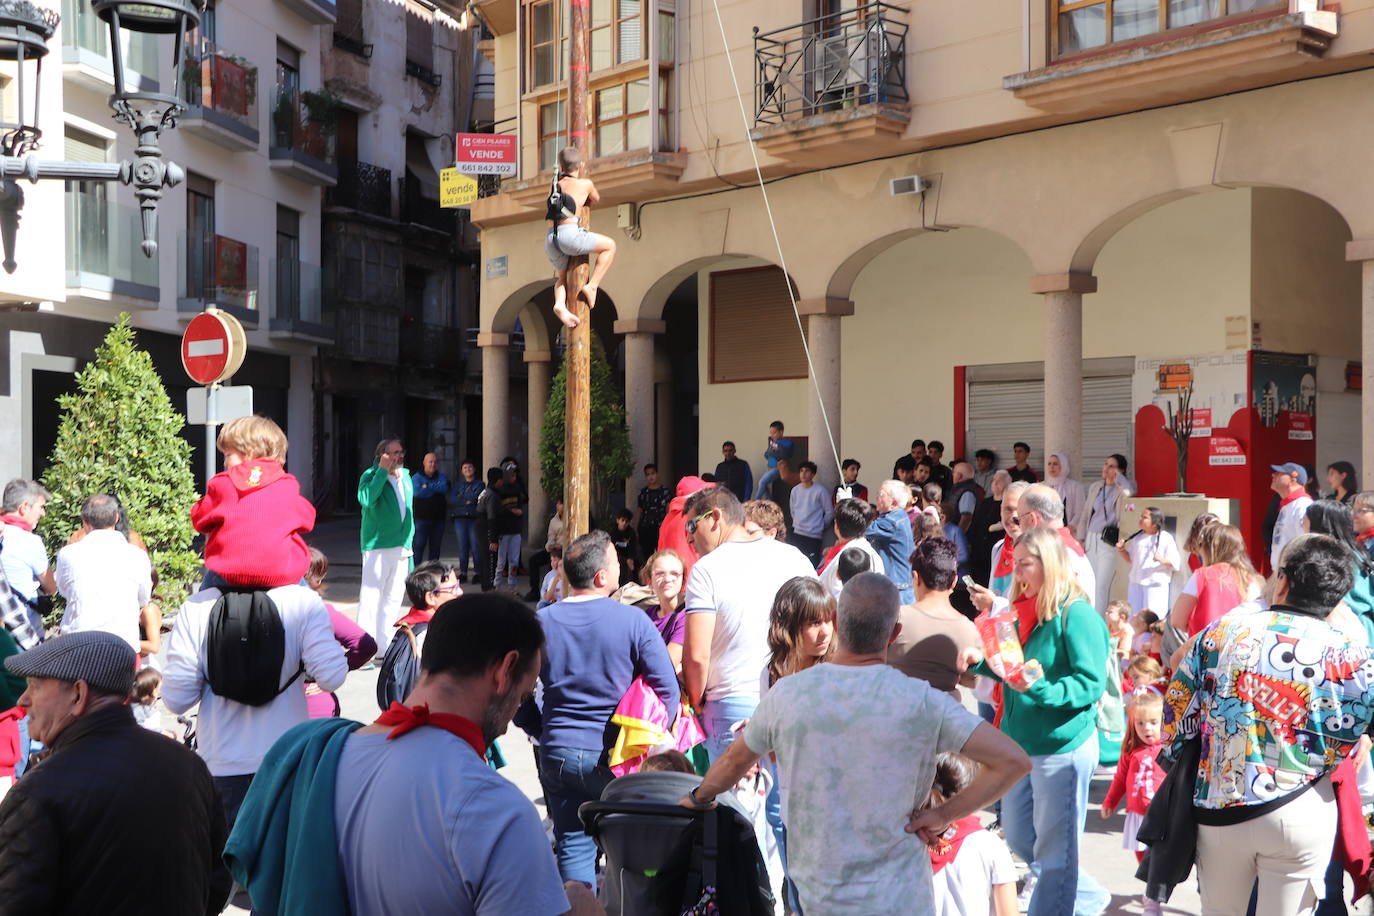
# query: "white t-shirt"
(1145, 569)
(1287, 526)
(830, 578)
(106, 581)
(25, 560)
(737, 582)
(856, 749)
(964, 886)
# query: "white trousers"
(1103, 559)
(383, 592)
(1287, 850)
(1152, 597)
(507, 556)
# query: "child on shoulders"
(252, 513)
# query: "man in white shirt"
(856, 742)
(730, 593)
(1290, 482)
(24, 556)
(811, 511)
(105, 579)
(233, 737)
(851, 521)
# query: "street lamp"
(24, 33)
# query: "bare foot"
(589, 293)
(568, 318)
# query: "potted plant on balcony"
(319, 120)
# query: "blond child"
(1138, 777)
(252, 513)
(1118, 613)
(1144, 675)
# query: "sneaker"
(1023, 899)
(1150, 907)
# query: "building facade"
(998, 221)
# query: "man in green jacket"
(384, 493)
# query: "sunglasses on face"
(694, 522)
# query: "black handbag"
(1111, 534)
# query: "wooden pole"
(577, 447)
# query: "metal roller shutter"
(753, 332)
(1002, 412)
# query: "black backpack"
(400, 669)
(245, 646)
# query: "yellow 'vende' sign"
(456, 190)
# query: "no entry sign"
(212, 347)
(485, 154)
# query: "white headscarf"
(1057, 482)
(1069, 489)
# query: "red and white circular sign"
(212, 347)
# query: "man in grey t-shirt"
(836, 727)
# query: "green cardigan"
(383, 526)
(1059, 711)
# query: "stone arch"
(656, 296)
(841, 282)
(513, 305)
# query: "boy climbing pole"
(567, 239)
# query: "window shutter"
(83, 147)
(350, 22)
(753, 330)
(419, 35)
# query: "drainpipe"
(1025, 35)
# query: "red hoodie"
(253, 516)
(672, 534)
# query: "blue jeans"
(428, 534)
(569, 777)
(1043, 817)
(468, 549)
(766, 484)
(716, 718)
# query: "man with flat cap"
(78, 831)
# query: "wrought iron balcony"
(424, 211)
(363, 187)
(353, 45)
(423, 74)
(842, 60)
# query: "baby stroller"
(664, 860)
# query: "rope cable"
(777, 241)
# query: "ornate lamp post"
(24, 33)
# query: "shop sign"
(1223, 451)
(1175, 376)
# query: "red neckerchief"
(831, 554)
(1071, 542)
(252, 473)
(1027, 616)
(1005, 561)
(416, 615)
(946, 847)
(1365, 535)
(406, 718)
(16, 521)
(1292, 496)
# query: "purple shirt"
(678, 622)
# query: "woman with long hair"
(663, 574)
(1054, 718)
(1098, 525)
(1192, 545)
(1343, 481)
(801, 628)
(1226, 580)
(937, 643)
(1332, 518)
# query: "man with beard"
(404, 816)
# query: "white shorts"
(567, 240)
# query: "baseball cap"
(1292, 467)
(102, 660)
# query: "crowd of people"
(790, 647)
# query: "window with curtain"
(546, 35)
(1081, 25)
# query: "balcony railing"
(217, 269)
(421, 210)
(223, 88)
(854, 57)
(353, 45)
(363, 187)
(303, 135)
(86, 40)
(431, 346)
(423, 74)
(298, 292)
(103, 249)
